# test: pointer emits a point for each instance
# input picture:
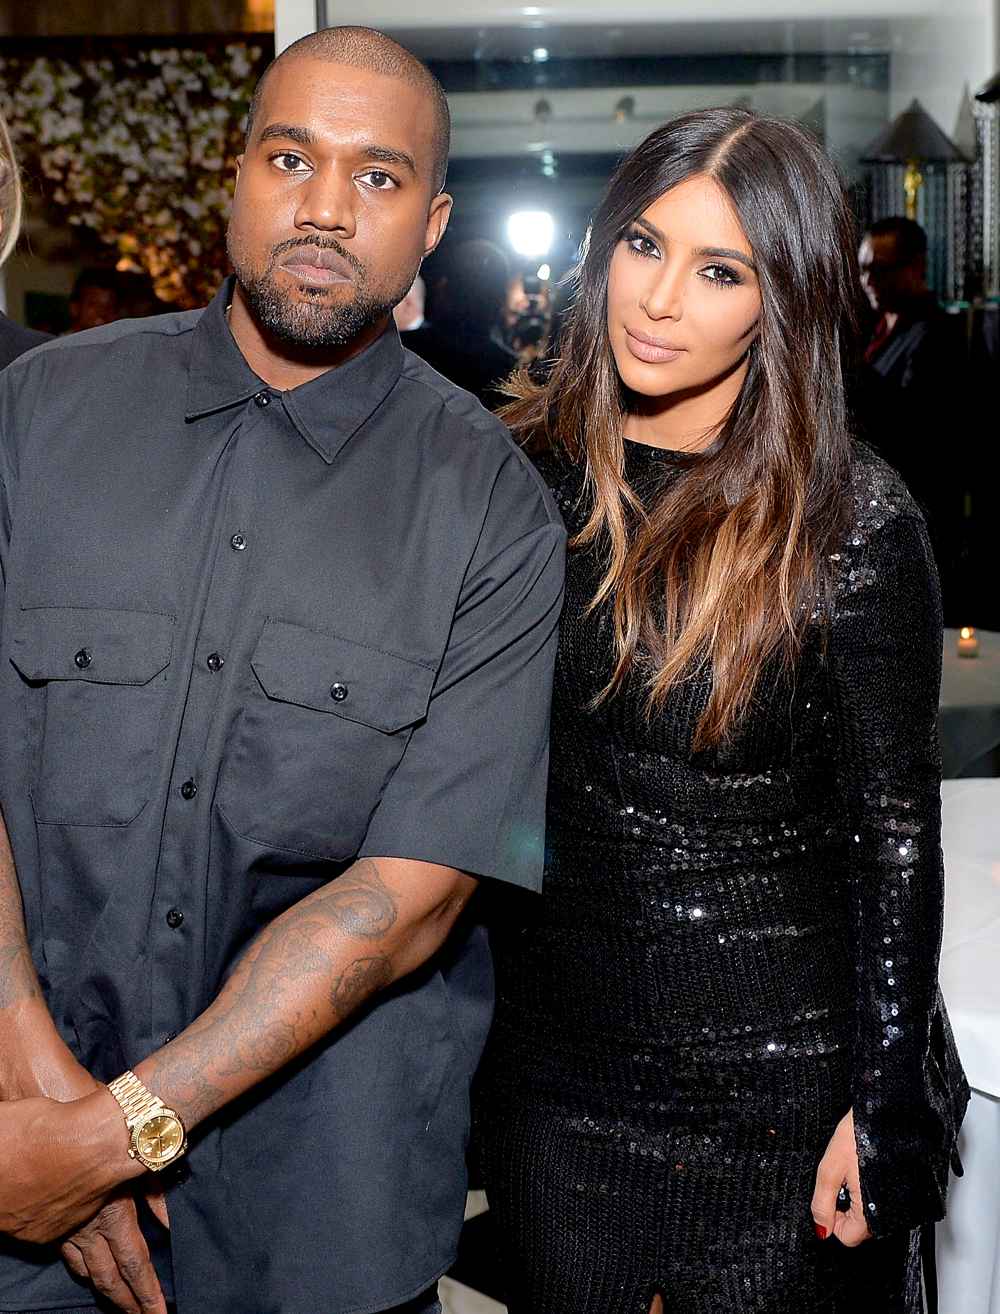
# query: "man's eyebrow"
(389, 155)
(720, 252)
(290, 132)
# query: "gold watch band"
(136, 1101)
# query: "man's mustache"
(322, 244)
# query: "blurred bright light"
(539, 54)
(530, 232)
(544, 273)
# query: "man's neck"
(280, 365)
(914, 305)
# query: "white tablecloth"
(968, 1242)
(970, 952)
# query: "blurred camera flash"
(530, 232)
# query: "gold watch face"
(160, 1139)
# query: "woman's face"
(683, 296)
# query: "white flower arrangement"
(140, 146)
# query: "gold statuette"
(156, 1134)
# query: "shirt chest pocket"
(324, 723)
(95, 689)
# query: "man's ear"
(437, 221)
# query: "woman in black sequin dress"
(724, 1011)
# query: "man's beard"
(314, 324)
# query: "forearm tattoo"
(303, 975)
(360, 980)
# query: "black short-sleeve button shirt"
(241, 645)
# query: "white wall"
(295, 18)
(941, 57)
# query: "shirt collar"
(327, 411)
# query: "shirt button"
(174, 918)
(338, 692)
(188, 789)
(263, 399)
(238, 542)
(215, 661)
(83, 658)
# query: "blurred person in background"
(910, 322)
(96, 299)
(409, 314)
(560, 304)
(545, 356)
(527, 317)
(14, 339)
(463, 338)
(137, 297)
(914, 379)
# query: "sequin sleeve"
(885, 665)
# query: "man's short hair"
(364, 47)
(911, 240)
(99, 279)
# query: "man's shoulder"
(466, 428)
(60, 357)
(929, 322)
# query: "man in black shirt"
(911, 330)
(916, 380)
(277, 629)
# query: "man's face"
(93, 307)
(888, 282)
(334, 205)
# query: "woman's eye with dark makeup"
(721, 275)
(639, 244)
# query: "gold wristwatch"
(156, 1134)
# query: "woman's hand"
(839, 1167)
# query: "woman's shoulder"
(883, 546)
(877, 497)
(564, 477)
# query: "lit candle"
(968, 644)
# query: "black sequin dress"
(733, 949)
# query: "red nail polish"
(821, 1231)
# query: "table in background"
(969, 719)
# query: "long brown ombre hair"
(721, 571)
